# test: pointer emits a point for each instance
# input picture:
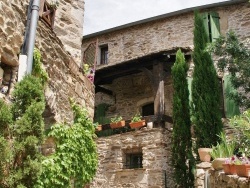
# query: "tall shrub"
(20, 147)
(206, 114)
(183, 160)
(22, 126)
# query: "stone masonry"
(156, 150)
(166, 33)
(65, 79)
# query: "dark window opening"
(148, 109)
(134, 160)
(6, 75)
(104, 55)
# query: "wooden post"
(159, 100)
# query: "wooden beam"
(103, 90)
(159, 99)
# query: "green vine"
(75, 161)
(37, 70)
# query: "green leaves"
(75, 159)
(206, 114)
(182, 145)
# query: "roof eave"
(175, 13)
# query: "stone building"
(132, 65)
(58, 37)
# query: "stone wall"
(206, 176)
(65, 80)
(156, 150)
(166, 33)
(130, 93)
(69, 26)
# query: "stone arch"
(143, 102)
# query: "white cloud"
(104, 14)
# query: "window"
(104, 55)
(133, 158)
(148, 109)
(47, 12)
(212, 25)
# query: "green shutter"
(190, 88)
(231, 107)
(215, 25)
(205, 22)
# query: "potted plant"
(136, 121)
(222, 151)
(97, 126)
(242, 167)
(204, 154)
(117, 122)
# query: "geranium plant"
(137, 117)
(116, 119)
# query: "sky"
(105, 14)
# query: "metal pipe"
(32, 34)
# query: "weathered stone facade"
(69, 26)
(156, 171)
(134, 43)
(65, 79)
(169, 32)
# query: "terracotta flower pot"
(204, 154)
(134, 125)
(98, 128)
(229, 169)
(217, 163)
(117, 125)
(243, 170)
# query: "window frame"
(104, 55)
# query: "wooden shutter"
(215, 25)
(206, 23)
(190, 88)
(231, 107)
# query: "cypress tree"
(183, 160)
(206, 114)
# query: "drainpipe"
(32, 34)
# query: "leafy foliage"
(20, 164)
(5, 117)
(224, 149)
(116, 119)
(183, 160)
(75, 160)
(235, 57)
(241, 124)
(137, 117)
(206, 114)
(37, 70)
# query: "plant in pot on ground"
(117, 122)
(222, 151)
(136, 121)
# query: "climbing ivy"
(75, 161)
(37, 70)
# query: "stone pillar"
(202, 172)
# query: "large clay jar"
(217, 163)
(204, 154)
